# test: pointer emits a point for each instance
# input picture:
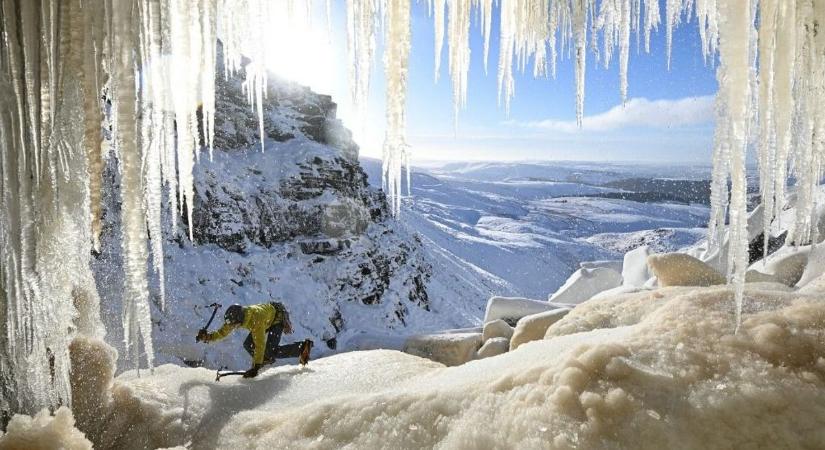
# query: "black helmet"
(234, 314)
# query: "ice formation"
(153, 61)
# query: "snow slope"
(528, 226)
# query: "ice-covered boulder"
(511, 309)
(755, 276)
(493, 347)
(607, 264)
(450, 349)
(44, 431)
(635, 271)
(533, 328)
(585, 283)
(680, 269)
(786, 265)
(497, 329)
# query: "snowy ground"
(654, 369)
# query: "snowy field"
(528, 226)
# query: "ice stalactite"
(361, 24)
(486, 7)
(652, 19)
(767, 137)
(458, 36)
(396, 63)
(46, 221)
(438, 22)
(579, 13)
(136, 317)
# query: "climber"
(265, 322)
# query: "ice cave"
(154, 170)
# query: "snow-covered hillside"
(528, 226)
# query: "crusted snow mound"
(680, 269)
(654, 369)
(44, 431)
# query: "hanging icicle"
(396, 62)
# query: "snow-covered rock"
(511, 309)
(493, 347)
(534, 327)
(585, 283)
(755, 276)
(786, 265)
(635, 271)
(450, 349)
(680, 269)
(497, 329)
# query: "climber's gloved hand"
(202, 335)
(253, 372)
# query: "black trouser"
(273, 350)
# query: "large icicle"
(361, 22)
(735, 47)
(458, 36)
(396, 61)
(136, 316)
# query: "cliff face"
(295, 222)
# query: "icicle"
(458, 35)
(735, 71)
(580, 33)
(396, 61)
(506, 84)
(438, 22)
(673, 10)
(487, 21)
(767, 131)
(624, 48)
(651, 20)
(136, 315)
(361, 16)
(785, 64)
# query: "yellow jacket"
(257, 319)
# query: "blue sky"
(668, 117)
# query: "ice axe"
(216, 307)
(222, 372)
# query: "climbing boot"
(306, 348)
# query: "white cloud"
(637, 113)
